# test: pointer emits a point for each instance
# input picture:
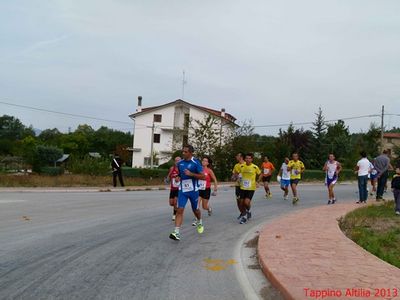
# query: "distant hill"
(37, 131)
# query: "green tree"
(338, 141)
(44, 156)
(318, 144)
(204, 135)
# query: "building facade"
(391, 142)
(161, 130)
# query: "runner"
(267, 169)
(174, 188)
(296, 168)
(205, 185)
(284, 178)
(236, 177)
(248, 185)
(332, 169)
(190, 171)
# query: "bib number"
(187, 185)
(295, 172)
(331, 174)
(175, 183)
(266, 171)
(202, 185)
(246, 184)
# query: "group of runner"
(192, 180)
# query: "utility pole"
(152, 146)
(183, 84)
(382, 126)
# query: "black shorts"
(205, 194)
(237, 191)
(266, 178)
(173, 194)
(294, 181)
(245, 194)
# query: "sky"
(268, 62)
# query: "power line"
(63, 113)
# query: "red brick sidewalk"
(307, 250)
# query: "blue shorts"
(373, 176)
(329, 181)
(192, 196)
(285, 183)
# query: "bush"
(90, 166)
(52, 171)
(144, 173)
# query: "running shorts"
(294, 181)
(192, 196)
(246, 194)
(173, 194)
(285, 183)
(266, 178)
(205, 194)
(330, 181)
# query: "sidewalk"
(306, 256)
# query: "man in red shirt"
(267, 168)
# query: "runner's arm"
(214, 179)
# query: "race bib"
(175, 183)
(331, 174)
(266, 171)
(187, 185)
(295, 172)
(202, 185)
(246, 184)
(374, 172)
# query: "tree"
(44, 156)
(12, 130)
(318, 146)
(339, 142)
(204, 135)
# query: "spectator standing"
(363, 168)
(116, 164)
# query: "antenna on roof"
(183, 84)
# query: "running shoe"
(285, 197)
(200, 228)
(173, 217)
(295, 200)
(329, 202)
(175, 236)
(209, 211)
(333, 201)
(240, 216)
(269, 195)
(195, 222)
(397, 212)
(243, 220)
(248, 214)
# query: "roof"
(390, 135)
(63, 158)
(211, 111)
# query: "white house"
(165, 128)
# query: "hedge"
(52, 171)
(144, 173)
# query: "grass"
(376, 228)
(70, 181)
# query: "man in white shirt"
(363, 168)
(284, 176)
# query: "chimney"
(139, 104)
(223, 113)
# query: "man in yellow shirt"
(296, 168)
(249, 174)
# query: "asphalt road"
(116, 246)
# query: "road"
(115, 245)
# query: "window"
(157, 118)
(147, 161)
(186, 121)
(389, 140)
(185, 140)
(157, 138)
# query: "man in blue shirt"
(190, 172)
